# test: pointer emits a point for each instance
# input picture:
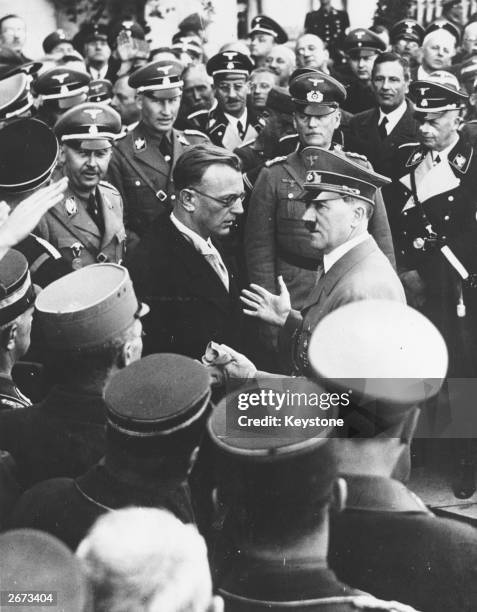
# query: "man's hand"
(26, 215)
(266, 306)
(229, 365)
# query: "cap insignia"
(359, 35)
(60, 77)
(314, 96)
(230, 66)
(230, 55)
(93, 112)
(164, 69)
(93, 130)
(140, 144)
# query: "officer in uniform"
(435, 230)
(361, 47)
(59, 89)
(391, 358)
(231, 123)
(265, 33)
(142, 163)
(88, 226)
(276, 239)
(100, 90)
(58, 42)
(17, 298)
(406, 37)
(156, 414)
(330, 25)
(16, 99)
(274, 493)
(90, 327)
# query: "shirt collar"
(394, 116)
(234, 120)
(444, 154)
(329, 259)
(200, 244)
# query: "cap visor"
(363, 52)
(324, 195)
(317, 110)
(93, 144)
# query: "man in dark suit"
(378, 132)
(142, 162)
(177, 269)
(330, 25)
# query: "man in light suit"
(176, 267)
(378, 132)
(340, 203)
(87, 227)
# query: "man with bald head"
(311, 53)
(281, 61)
(438, 49)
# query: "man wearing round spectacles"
(189, 287)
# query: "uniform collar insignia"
(415, 158)
(183, 140)
(140, 144)
(71, 207)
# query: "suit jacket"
(276, 239)
(387, 541)
(67, 508)
(365, 139)
(143, 176)
(330, 26)
(71, 230)
(362, 273)
(189, 304)
(62, 436)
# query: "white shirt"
(98, 74)
(444, 154)
(393, 117)
(329, 259)
(234, 120)
(422, 74)
(204, 247)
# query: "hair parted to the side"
(390, 56)
(193, 163)
(147, 560)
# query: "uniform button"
(404, 233)
(405, 213)
(444, 237)
(451, 198)
(446, 218)
(290, 196)
(137, 183)
(167, 158)
(402, 252)
(173, 197)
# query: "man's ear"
(339, 495)
(127, 355)
(187, 200)
(139, 101)
(9, 336)
(62, 156)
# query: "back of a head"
(193, 163)
(146, 560)
(34, 561)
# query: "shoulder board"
(195, 133)
(355, 155)
(109, 186)
(409, 144)
(288, 137)
(247, 143)
(275, 160)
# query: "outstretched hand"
(266, 306)
(25, 217)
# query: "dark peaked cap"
(231, 62)
(28, 152)
(316, 93)
(408, 29)
(266, 25)
(330, 171)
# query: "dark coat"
(143, 177)
(449, 200)
(364, 137)
(214, 123)
(67, 508)
(387, 541)
(263, 584)
(62, 436)
(330, 26)
(189, 304)
(10, 395)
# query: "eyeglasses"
(231, 87)
(228, 202)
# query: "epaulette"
(409, 144)
(109, 185)
(275, 160)
(195, 133)
(288, 137)
(197, 113)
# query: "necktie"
(217, 264)
(436, 159)
(240, 129)
(95, 213)
(166, 149)
(382, 128)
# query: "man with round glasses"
(189, 287)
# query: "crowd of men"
(179, 233)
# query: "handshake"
(224, 363)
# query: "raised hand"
(266, 306)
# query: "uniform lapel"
(80, 219)
(112, 223)
(147, 152)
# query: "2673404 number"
(16, 598)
